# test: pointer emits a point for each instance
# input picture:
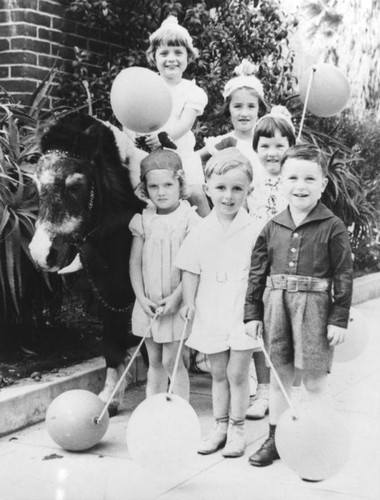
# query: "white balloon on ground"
(163, 433)
(316, 444)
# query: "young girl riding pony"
(171, 49)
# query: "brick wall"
(35, 35)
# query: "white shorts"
(236, 340)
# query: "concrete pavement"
(33, 467)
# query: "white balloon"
(329, 91)
(315, 445)
(71, 420)
(140, 100)
(163, 433)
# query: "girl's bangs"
(172, 40)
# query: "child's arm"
(135, 273)
(190, 283)
(340, 260)
(176, 129)
(259, 270)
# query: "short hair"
(227, 159)
(309, 152)
(225, 108)
(269, 125)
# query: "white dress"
(162, 236)
(222, 261)
(186, 94)
(266, 201)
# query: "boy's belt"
(298, 283)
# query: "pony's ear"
(42, 130)
(90, 141)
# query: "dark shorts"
(295, 329)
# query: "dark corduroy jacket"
(319, 247)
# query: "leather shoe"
(266, 454)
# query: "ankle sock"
(237, 423)
(223, 422)
(272, 430)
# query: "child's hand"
(148, 306)
(254, 328)
(187, 312)
(170, 303)
(336, 334)
(152, 141)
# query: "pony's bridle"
(79, 244)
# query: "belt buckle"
(289, 284)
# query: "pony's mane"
(87, 138)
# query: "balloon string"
(283, 390)
(313, 70)
(127, 368)
(179, 351)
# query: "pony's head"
(81, 182)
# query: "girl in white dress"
(243, 105)
(170, 51)
(157, 235)
(273, 135)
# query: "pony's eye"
(75, 183)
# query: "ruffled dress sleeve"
(196, 98)
(136, 226)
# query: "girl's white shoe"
(214, 441)
(235, 445)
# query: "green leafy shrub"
(353, 189)
(226, 32)
(25, 294)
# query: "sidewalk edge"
(26, 404)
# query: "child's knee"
(218, 374)
(236, 376)
(314, 382)
(155, 364)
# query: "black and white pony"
(86, 201)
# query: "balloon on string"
(140, 100)
(315, 445)
(71, 420)
(356, 340)
(329, 91)
(163, 433)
